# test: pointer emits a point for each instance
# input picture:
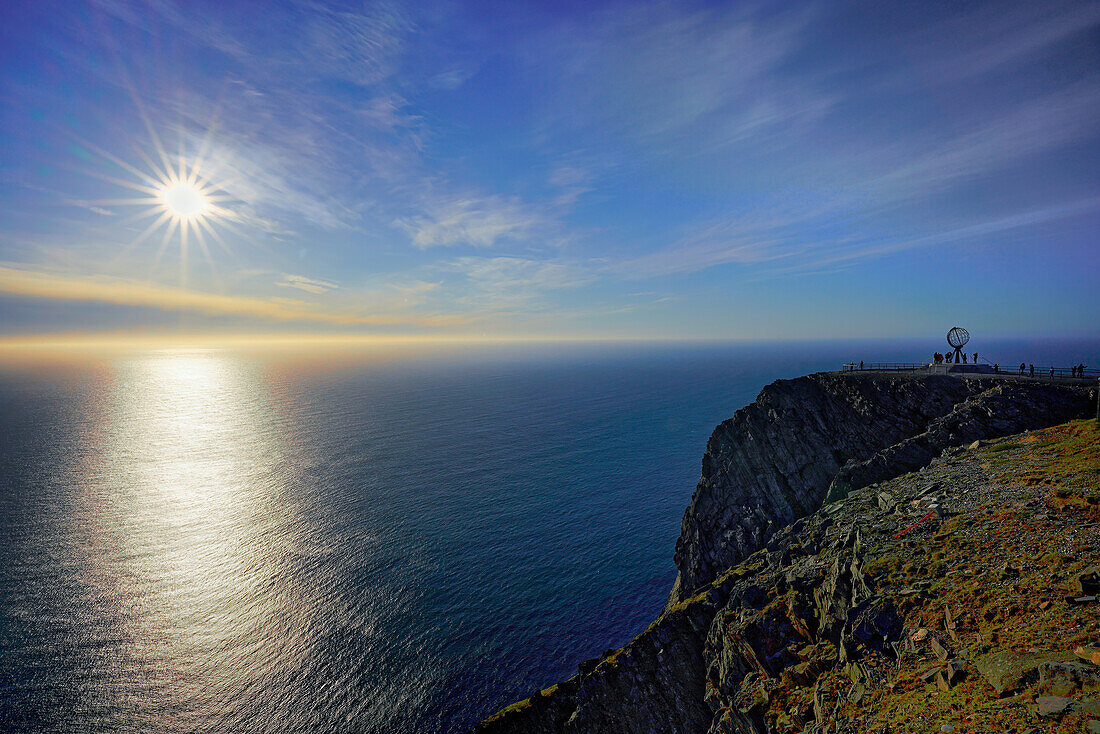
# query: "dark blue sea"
(399, 539)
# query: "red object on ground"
(918, 522)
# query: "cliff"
(784, 613)
(776, 459)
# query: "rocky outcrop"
(543, 713)
(822, 601)
(776, 459)
(657, 682)
(998, 410)
(775, 623)
(709, 662)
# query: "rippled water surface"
(221, 541)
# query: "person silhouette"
(1031, 370)
(861, 364)
(964, 357)
(975, 358)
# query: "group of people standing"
(1075, 371)
(941, 358)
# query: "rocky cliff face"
(776, 459)
(767, 603)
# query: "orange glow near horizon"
(126, 292)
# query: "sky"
(560, 170)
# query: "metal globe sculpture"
(958, 337)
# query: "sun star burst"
(179, 195)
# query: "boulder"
(1058, 678)
(1088, 654)
(1053, 705)
(1009, 671)
(1088, 582)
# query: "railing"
(1055, 373)
(857, 366)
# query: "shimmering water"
(387, 542)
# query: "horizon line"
(116, 341)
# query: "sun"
(183, 200)
(180, 199)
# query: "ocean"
(401, 539)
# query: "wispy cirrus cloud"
(863, 251)
(302, 283)
(720, 244)
(833, 225)
(511, 282)
(663, 75)
(993, 143)
(476, 221)
(768, 253)
(414, 289)
(981, 40)
(360, 46)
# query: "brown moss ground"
(1023, 523)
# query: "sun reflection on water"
(192, 536)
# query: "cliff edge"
(777, 459)
(785, 613)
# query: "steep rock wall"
(776, 459)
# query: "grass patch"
(1054, 558)
(513, 709)
(1067, 457)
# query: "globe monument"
(957, 338)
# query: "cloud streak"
(121, 292)
(509, 282)
(302, 283)
(478, 222)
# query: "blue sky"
(733, 170)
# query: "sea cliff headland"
(870, 552)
